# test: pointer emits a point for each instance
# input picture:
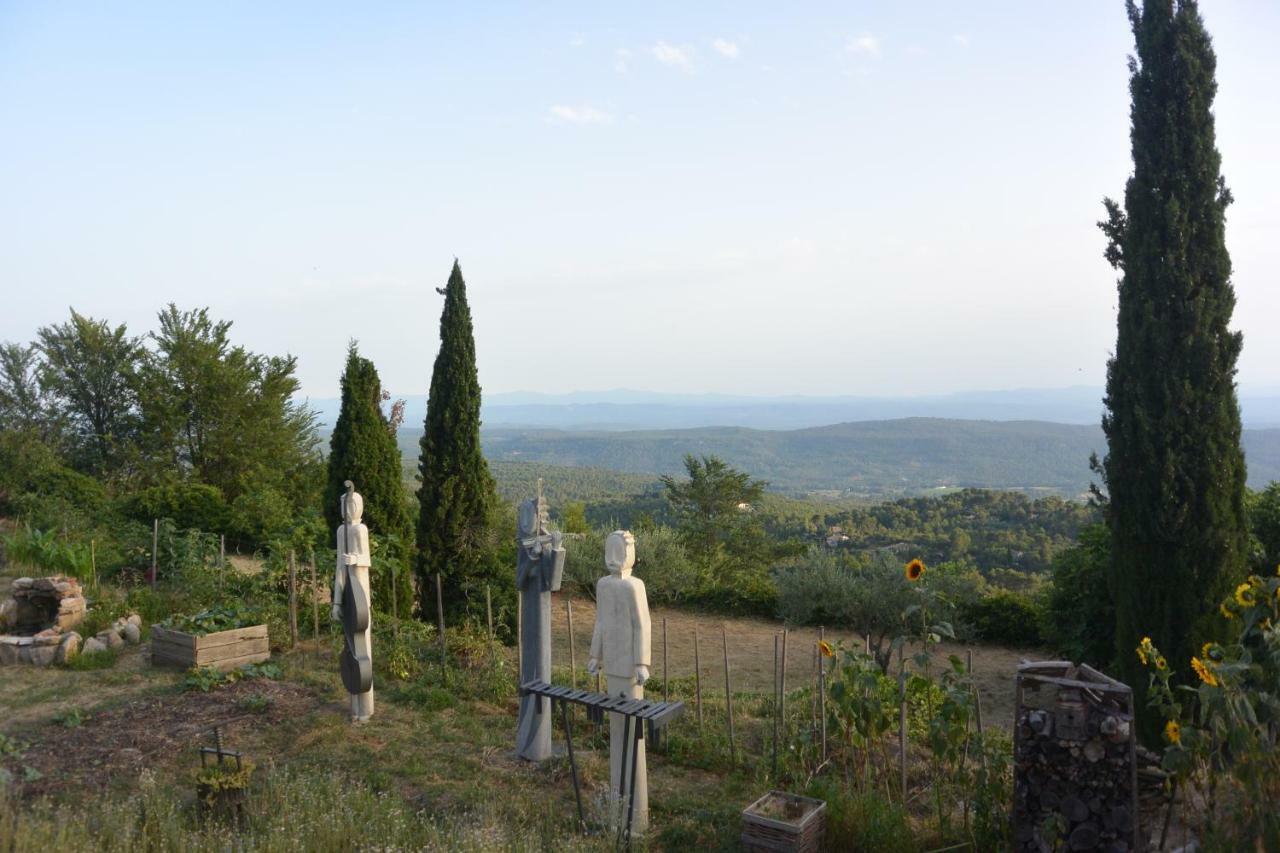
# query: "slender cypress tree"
(1174, 470)
(363, 450)
(457, 492)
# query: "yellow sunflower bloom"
(1244, 595)
(1161, 663)
(914, 570)
(1173, 732)
(1226, 611)
(1206, 675)
(825, 648)
(1142, 655)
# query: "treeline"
(180, 423)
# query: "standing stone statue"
(620, 643)
(352, 605)
(539, 568)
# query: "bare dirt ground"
(750, 649)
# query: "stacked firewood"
(1074, 763)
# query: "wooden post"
(222, 561)
(573, 657)
(776, 694)
(155, 546)
(697, 675)
(315, 603)
(866, 644)
(395, 604)
(977, 706)
(664, 659)
(293, 603)
(782, 690)
(822, 691)
(93, 563)
(488, 612)
(728, 694)
(902, 720)
(440, 620)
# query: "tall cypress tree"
(363, 450)
(457, 492)
(1174, 470)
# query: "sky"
(747, 198)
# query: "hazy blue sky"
(860, 198)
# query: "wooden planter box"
(222, 650)
(779, 821)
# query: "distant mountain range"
(872, 459)
(642, 410)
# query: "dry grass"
(750, 643)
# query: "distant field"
(868, 459)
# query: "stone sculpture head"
(620, 552)
(533, 518)
(352, 504)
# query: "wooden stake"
(902, 720)
(697, 675)
(782, 694)
(440, 620)
(293, 603)
(93, 563)
(664, 659)
(488, 612)
(222, 561)
(728, 695)
(573, 657)
(977, 706)
(822, 691)
(776, 693)
(155, 546)
(315, 603)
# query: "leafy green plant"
(212, 620)
(256, 703)
(85, 661)
(206, 678)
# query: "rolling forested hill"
(867, 459)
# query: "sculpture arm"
(597, 633)
(640, 628)
(340, 574)
(363, 554)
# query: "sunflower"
(915, 570)
(825, 648)
(1206, 675)
(1173, 732)
(1226, 611)
(1161, 663)
(1211, 652)
(1145, 651)
(1244, 595)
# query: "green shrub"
(863, 821)
(212, 620)
(104, 659)
(190, 505)
(1080, 614)
(1006, 617)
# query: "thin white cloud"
(621, 60)
(672, 55)
(577, 41)
(961, 39)
(726, 48)
(566, 114)
(865, 44)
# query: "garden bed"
(222, 650)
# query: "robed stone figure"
(620, 645)
(353, 606)
(539, 568)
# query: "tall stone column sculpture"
(352, 605)
(620, 644)
(539, 569)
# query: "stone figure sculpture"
(620, 645)
(352, 605)
(539, 569)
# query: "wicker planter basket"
(779, 821)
